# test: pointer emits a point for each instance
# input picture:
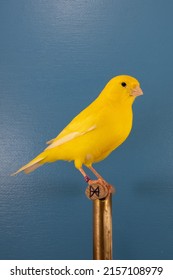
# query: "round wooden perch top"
(98, 191)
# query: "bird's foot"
(99, 181)
(103, 183)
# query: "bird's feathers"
(32, 165)
(50, 141)
(59, 141)
(83, 123)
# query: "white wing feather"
(68, 137)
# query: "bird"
(95, 132)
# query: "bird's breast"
(114, 130)
(119, 127)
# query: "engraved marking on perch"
(96, 191)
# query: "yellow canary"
(96, 131)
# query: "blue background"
(55, 58)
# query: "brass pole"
(102, 229)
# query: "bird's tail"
(32, 165)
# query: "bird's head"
(122, 88)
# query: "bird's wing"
(50, 141)
(80, 125)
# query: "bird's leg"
(99, 177)
(95, 173)
(86, 178)
(89, 181)
(101, 180)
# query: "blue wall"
(55, 57)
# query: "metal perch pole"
(102, 229)
(102, 221)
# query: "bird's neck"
(116, 101)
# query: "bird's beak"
(137, 91)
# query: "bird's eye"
(123, 84)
